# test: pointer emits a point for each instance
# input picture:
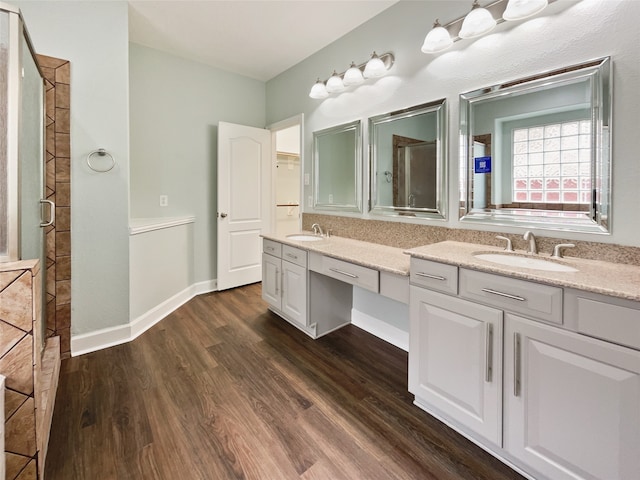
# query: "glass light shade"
(318, 91)
(477, 22)
(375, 67)
(334, 84)
(437, 40)
(519, 9)
(353, 76)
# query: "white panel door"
(244, 193)
(455, 360)
(572, 403)
(294, 292)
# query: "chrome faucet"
(316, 229)
(531, 238)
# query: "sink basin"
(524, 262)
(305, 237)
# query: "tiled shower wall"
(57, 73)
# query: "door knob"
(223, 215)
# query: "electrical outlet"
(330, 198)
(307, 179)
(164, 200)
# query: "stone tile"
(50, 62)
(63, 316)
(51, 314)
(63, 194)
(63, 268)
(63, 120)
(51, 279)
(63, 243)
(29, 473)
(63, 145)
(63, 219)
(12, 401)
(50, 141)
(7, 277)
(50, 99)
(63, 74)
(9, 336)
(14, 464)
(50, 242)
(63, 170)
(15, 303)
(63, 292)
(51, 175)
(65, 343)
(63, 96)
(49, 73)
(17, 366)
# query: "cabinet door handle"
(277, 281)
(516, 364)
(291, 255)
(428, 275)
(489, 350)
(502, 294)
(342, 272)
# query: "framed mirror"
(408, 161)
(535, 152)
(337, 154)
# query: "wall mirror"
(535, 152)
(337, 154)
(408, 161)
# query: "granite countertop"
(614, 279)
(372, 255)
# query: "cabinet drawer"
(271, 247)
(542, 302)
(358, 275)
(612, 319)
(294, 255)
(434, 275)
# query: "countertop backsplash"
(411, 235)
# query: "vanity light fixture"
(334, 84)
(437, 40)
(480, 21)
(377, 66)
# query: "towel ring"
(101, 152)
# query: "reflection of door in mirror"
(414, 172)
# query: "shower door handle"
(52, 213)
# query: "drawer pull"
(489, 350)
(342, 272)
(428, 275)
(270, 249)
(516, 364)
(291, 255)
(505, 295)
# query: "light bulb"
(477, 22)
(353, 76)
(519, 9)
(437, 40)
(319, 90)
(375, 67)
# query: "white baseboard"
(380, 329)
(109, 337)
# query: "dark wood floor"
(224, 389)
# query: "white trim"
(143, 225)
(109, 337)
(376, 327)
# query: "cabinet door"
(572, 403)
(294, 292)
(271, 281)
(455, 360)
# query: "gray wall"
(94, 37)
(175, 108)
(566, 33)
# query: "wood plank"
(223, 389)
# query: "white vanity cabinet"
(284, 280)
(545, 378)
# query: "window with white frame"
(552, 163)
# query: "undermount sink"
(304, 237)
(524, 262)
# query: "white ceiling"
(259, 39)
